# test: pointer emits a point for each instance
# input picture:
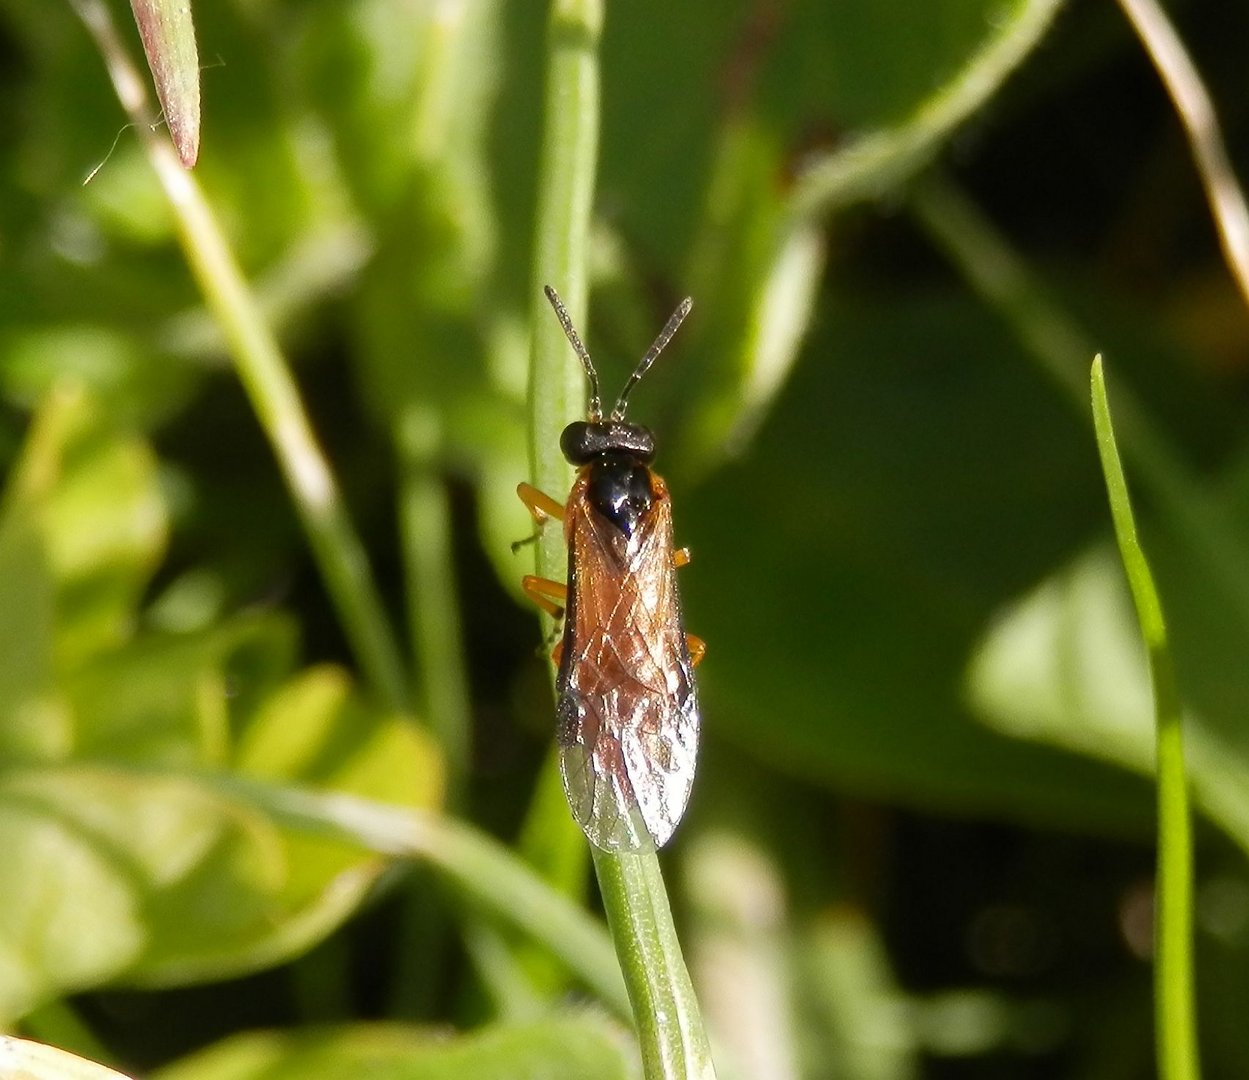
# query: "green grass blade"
(484, 870)
(267, 379)
(669, 1025)
(665, 1008)
(1059, 346)
(873, 164)
(434, 622)
(1175, 1014)
(557, 390)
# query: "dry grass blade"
(1196, 112)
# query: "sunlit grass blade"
(665, 1009)
(486, 872)
(669, 1025)
(267, 379)
(1059, 345)
(1196, 111)
(1175, 1014)
(569, 155)
(871, 165)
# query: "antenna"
(665, 336)
(596, 403)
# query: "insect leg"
(539, 503)
(545, 593)
(541, 506)
(549, 595)
(696, 645)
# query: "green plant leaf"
(81, 529)
(161, 699)
(844, 104)
(1064, 666)
(33, 721)
(129, 382)
(904, 81)
(127, 858)
(153, 880)
(70, 915)
(90, 491)
(557, 1047)
(844, 570)
(117, 866)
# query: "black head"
(582, 442)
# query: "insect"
(627, 715)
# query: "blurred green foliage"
(922, 819)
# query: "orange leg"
(539, 503)
(544, 593)
(541, 506)
(696, 645)
(549, 595)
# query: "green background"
(919, 844)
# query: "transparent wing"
(628, 710)
(628, 750)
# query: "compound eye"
(639, 442)
(578, 444)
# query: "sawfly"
(627, 713)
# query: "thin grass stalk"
(669, 1025)
(267, 380)
(1174, 1008)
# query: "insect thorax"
(620, 488)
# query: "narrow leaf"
(1173, 930)
(169, 41)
